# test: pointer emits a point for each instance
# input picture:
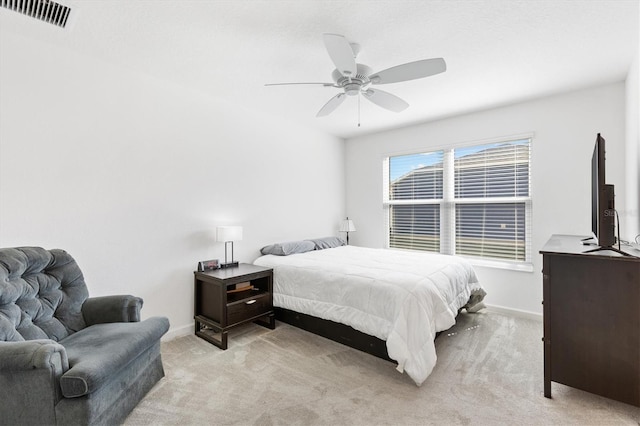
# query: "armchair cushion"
(100, 352)
(42, 294)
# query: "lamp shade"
(228, 233)
(347, 226)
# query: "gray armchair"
(66, 358)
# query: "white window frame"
(448, 203)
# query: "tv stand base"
(601, 248)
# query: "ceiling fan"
(356, 79)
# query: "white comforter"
(401, 297)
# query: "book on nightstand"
(241, 287)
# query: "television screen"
(602, 198)
(596, 183)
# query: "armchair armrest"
(122, 308)
(33, 354)
(30, 372)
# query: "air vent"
(42, 10)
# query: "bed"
(397, 297)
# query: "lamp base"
(229, 265)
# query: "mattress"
(403, 298)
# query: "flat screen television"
(602, 198)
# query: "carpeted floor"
(489, 371)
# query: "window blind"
(492, 171)
(416, 177)
(491, 230)
(415, 193)
(415, 227)
(491, 189)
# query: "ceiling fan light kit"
(355, 79)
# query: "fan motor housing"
(353, 84)
(352, 89)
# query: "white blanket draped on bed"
(401, 297)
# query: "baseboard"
(176, 332)
(515, 312)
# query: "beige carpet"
(489, 371)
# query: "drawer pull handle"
(251, 301)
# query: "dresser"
(591, 311)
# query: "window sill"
(501, 264)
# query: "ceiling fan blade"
(341, 54)
(409, 71)
(385, 100)
(287, 84)
(330, 106)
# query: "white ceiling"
(497, 51)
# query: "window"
(472, 201)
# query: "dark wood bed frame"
(335, 331)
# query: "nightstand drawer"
(248, 308)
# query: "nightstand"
(225, 298)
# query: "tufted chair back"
(41, 294)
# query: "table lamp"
(228, 234)
(347, 226)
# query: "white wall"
(630, 217)
(130, 174)
(564, 128)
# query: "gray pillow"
(328, 242)
(291, 247)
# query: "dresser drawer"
(248, 308)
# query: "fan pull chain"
(358, 110)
